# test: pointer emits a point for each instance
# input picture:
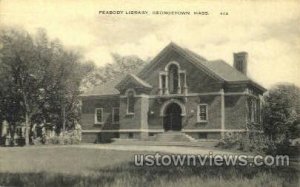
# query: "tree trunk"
(27, 125)
(64, 117)
(27, 129)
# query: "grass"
(71, 166)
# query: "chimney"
(240, 61)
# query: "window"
(164, 87)
(202, 115)
(163, 84)
(115, 115)
(183, 82)
(98, 115)
(130, 102)
(253, 110)
(173, 79)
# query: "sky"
(268, 30)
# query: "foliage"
(121, 66)
(257, 142)
(251, 141)
(281, 122)
(39, 79)
(281, 113)
(67, 138)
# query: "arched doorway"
(172, 117)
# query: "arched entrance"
(172, 117)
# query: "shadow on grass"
(127, 174)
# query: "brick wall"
(197, 80)
(88, 112)
(214, 112)
(155, 121)
(130, 121)
(147, 110)
(89, 137)
(235, 112)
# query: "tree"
(39, 78)
(120, 67)
(281, 112)
(19, 66)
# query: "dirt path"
(165, 149)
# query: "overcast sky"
(268, 31)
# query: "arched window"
(173, 79)
(130, 102)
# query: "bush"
(230, 141)
(54, 140)
(66, 138)
(37, 141)
(249, 141)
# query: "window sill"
(202, 122)
(99, 123)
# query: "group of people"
(14, 135)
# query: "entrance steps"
(173, 136)
(170, 138)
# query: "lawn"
(73, 166)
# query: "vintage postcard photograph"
(150, 93)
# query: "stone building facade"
(177, 91)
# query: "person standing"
(4, 132)
(78, 130)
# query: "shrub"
(53, 140)
(66, 138)
(230, 141)
(249, 141)
(37, 141)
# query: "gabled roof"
(217, 69)
(224, 70)
(130, 78)
(107, 88)
(192, 57)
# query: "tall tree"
(281, 112)
(19, 65)
(38, 78)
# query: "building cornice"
(169, 95)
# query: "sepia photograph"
(114, 93)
